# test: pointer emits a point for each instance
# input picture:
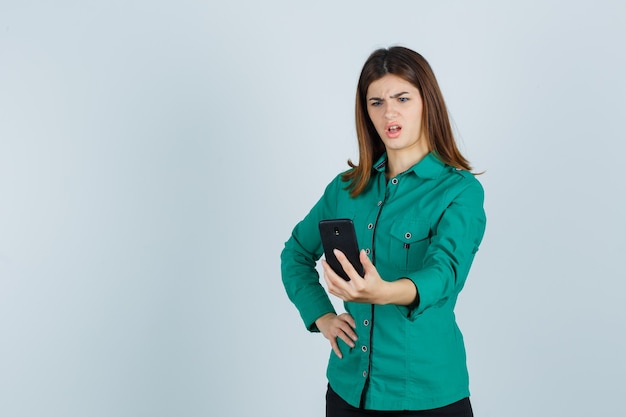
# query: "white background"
(154, 157)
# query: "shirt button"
(407, 235)
(364, 348)
(367, 251)
(366, 322)
(394, 181)
(364, 374)
(370, 226)
(380, 203)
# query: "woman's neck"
(398, 162)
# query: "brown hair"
(412, 67)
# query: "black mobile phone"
(340, 234)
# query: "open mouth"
(393, 130)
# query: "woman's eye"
(403, 99)
(376, 103)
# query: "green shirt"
(426, 225)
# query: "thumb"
(366, 262)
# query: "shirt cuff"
(429, 289)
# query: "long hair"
(412, 67)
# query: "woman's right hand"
(334, 326)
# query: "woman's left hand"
(370, 288)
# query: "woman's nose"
(390, 112)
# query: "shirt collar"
(429, 167)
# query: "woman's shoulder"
(463, 175)
(463, 182)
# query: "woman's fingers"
(336, 285)
(348, 319)
(347, 334)
(335, 346)
(345, 264)
(368, 266)
(341, 327)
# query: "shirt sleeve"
(299, 257)
(454, 243)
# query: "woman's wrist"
(400, 292)
(322, 319)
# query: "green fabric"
(426, 225)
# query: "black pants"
(337, 407)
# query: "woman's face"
(395, 108)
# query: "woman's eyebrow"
(393, 96)
(399, 94)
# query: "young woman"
(419, 219)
